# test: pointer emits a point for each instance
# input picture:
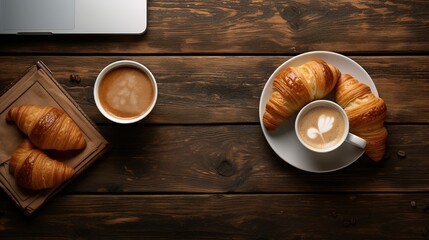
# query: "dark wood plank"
(271, 216)
(279, 27)
(201, 89)
(237, 158)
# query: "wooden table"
(199, 165)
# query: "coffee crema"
(126, 92)
(321, 127)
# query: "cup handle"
(356, 141)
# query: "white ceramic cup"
(117, 64)
(346, 135)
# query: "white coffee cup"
(125, 91)
(322, 126)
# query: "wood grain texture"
(199, 166)
(257, 26)
(271, 216)
(227, 89)
(237, 158)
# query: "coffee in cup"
(323, 126)
(125, 91)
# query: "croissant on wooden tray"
(294, 87)
(47, 127)
(366, 114)
(34, 170)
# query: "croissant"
(366, 114)
(34, 170)
(296, 86)
(47, 127)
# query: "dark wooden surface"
(199, 166)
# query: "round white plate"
(284, 141)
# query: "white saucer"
(283, 140)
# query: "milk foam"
(321, 127)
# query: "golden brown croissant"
(294, 87)
(47, 127)
(366, 114)
(34, 170)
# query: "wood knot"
(292, 14)
(225, 168)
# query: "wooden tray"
(37, 86)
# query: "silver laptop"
(73, 16)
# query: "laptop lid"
(73, 16)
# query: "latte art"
(126, 92)
(325, 123)
(321, 127)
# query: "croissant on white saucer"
(366, 113)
